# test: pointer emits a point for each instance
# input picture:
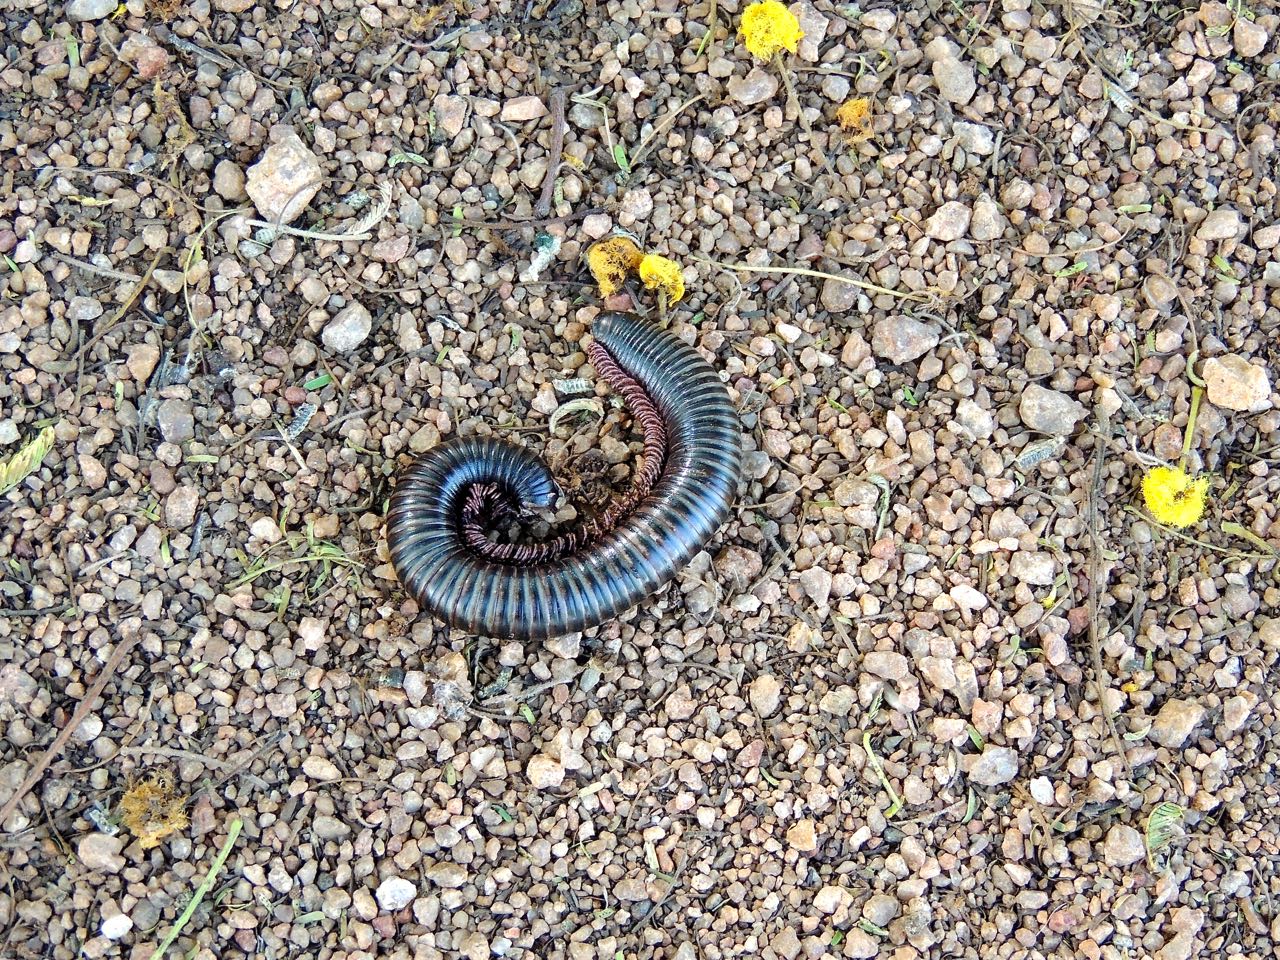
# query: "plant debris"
(152, 810)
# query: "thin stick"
(819, 275)
(36, 611)
(124, 307)
(175, 754)
(666, 894)
(647, 143)
(558, 128)
(1100, 680)
(205, 886)
(1189, 435)
(100, 271)
(1204, 544)
(794, 103)
(82, 711)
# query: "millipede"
(446, 502)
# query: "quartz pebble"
(98, 851)
(995, 765)
(765, 694)
(1175, 722)
(116, 926)
(756, 87)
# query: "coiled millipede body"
(444, 502)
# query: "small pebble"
(903, 339)
(1232, 382)
(756, 87)
(994, 766)
(1175, 722)
(395, 893)
(116, 926)
(765, 694)
(97, 851)
(544, 772)
(285, 179)
(348, 329)
(1049, 411)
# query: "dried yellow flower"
(152, 810)
(854, 117)
(611, 261)
(1174, 498)
(769, 27)
(659, 273)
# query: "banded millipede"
(436, 523)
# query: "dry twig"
(1100, 681)
(558, 128)
(130, 637)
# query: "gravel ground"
(941, 688)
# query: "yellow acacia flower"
(768, 27)
(611, 261)
(1172, 497)
(659, 273)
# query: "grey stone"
(1221, 224)
(229, 181)
(988, 222)
(975, 137)
(1123, 845)
(330, 828)
(765, 694)
(1175, 723)
(949, 222)
(1049, 411)
(82, 309)
(838, 296)
(97, 851)
(995, 766)
(180, 507)
(348, 329)
(175, 420)
(78, 11)
(1234, 383)
(756, 87)
(902, 339)
(395, 893)
(955, 80)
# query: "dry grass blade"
(205, 886)
(1164, 825)
(878, 769)
(25, 462)
(361, 231)
(124, 307)
(648, 142)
